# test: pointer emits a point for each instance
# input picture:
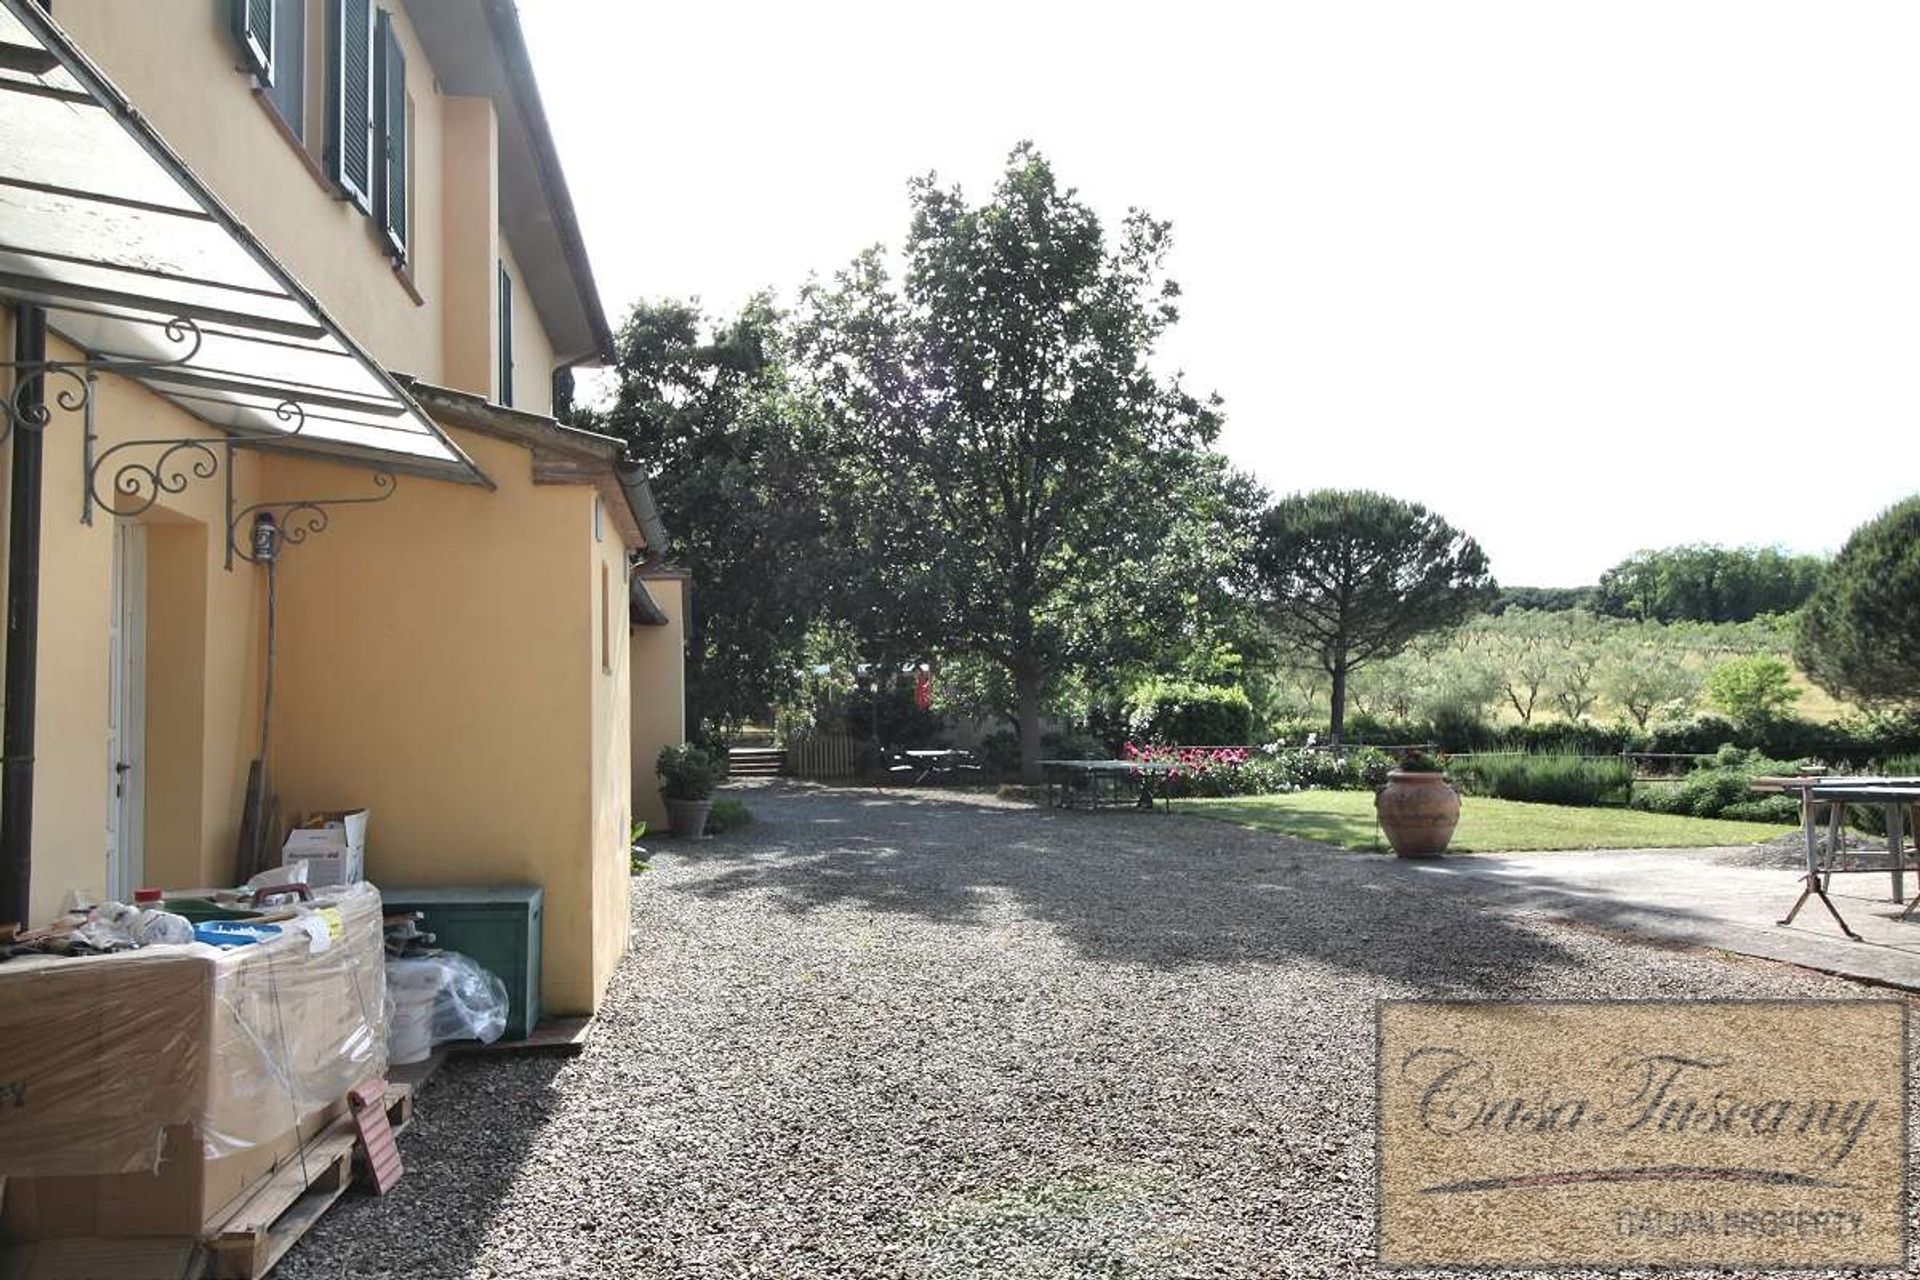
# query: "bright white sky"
(1583, 278)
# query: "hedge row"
(1853, 744)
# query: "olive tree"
(1642, 676)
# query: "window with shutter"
(390, 164)
(506, 336)
(252, 22)
(288, 91)
(350, 99)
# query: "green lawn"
(1346, 818)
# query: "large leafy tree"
(710, 411)
(1354, 577)
(1013, 479)
(1860, 632)
(1707, 584)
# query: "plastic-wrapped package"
(99, 1056)
(443, 997)
(297, 1022)
(102, 1056)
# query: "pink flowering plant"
(1197, 771)
(1253, 771)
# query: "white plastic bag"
(162, 928)
(469, 1003)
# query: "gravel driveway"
(909, 1035)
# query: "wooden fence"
(825, 755)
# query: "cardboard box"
(334, 846)
(159, 1088)
(189, 1195)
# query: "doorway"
(127, 714)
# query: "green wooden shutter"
(252, 22)
(350, 99)
(506, 336)
(390, 165)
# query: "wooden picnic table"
(1895, 797)
(1102, 784)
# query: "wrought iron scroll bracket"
(297, 519)
(136, 474)
(77, 379)
(127, 479)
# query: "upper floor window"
(350, 98)
(273, 43)
(393, 127)
(368, 139)
(506, 336)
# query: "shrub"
(1197, 771)
(728, 814)
(1700, 735)
(1382, 731)
(1724, 789)
(1460, 728)
(1295, 732)
(686, 773)
(1784, 810)
(1356, 769)
(1568, 737)
(999, 753)
(1068, 746)
(1755, 690)
(1185, 711)
(1547, 779)
(1271, 770)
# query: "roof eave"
(604, 457)
(504, 20)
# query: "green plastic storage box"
(498, 925)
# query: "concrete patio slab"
(1694, 896)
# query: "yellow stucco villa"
(290, 289)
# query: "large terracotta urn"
(1418, 811)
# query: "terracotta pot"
(688, 818)
(1418, 811)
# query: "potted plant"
(687, 779)
(1418, 808)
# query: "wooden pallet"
(273, 1219)
(564, 1037)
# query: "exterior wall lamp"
(266, 538)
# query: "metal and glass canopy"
(146, 271)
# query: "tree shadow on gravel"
(1164, 891)
(474, 1127)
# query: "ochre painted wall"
(439, 666)
(176, 61)
(470, 245)
(203, 661)
(612, 745)
(443, 660)
(659, 694)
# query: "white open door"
(126, 713)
